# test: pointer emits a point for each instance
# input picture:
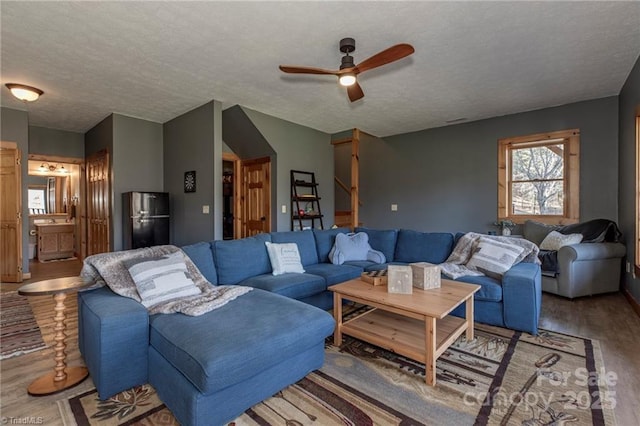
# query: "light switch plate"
(205, 209)
(284, 208)
(394, 207)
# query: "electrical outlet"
(394, 207)
(628, 267)
(205, 209)
(284, 208)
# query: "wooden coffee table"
(416, 325)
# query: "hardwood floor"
(608, 319)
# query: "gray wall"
(297, 148)
(445, 179)
(99, 137)
(14, 127)
(242, 136)
(137, 164)
(629, 100)
(189, 145)
(245, 140)
(45, 141)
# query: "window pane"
(542, 162)
(537, 198)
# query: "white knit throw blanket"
(109, 269)
(455, 266)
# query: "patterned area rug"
(19, 331)
(501, 377)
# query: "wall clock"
(190, 181)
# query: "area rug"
(501, 377)
(19, 331)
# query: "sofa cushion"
(354, 247)
(367, 265)
(232, 257)
(536, 231)
(432, 247)
(237, 341)
(493, 257)
(284, 257)
(201, 255)
(160, 279)
(334, 274)
(554, 240)
(324, 241)
(296, 286)
(382, 240)
(305, 241)
(490, 288)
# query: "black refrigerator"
(146, 219)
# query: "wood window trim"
(571, 176)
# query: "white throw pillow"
(555, 240)
(284, 258)
(162, 278)
(493, 258)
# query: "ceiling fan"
(347, 74)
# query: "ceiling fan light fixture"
(347, 79)
(23, 92)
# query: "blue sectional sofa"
(209, 369)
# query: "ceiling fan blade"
(387, 56)
(291, 69)
(355, 92)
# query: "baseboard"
(632, 301)
(26, 275)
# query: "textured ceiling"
(157, 60)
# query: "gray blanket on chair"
(109, 269)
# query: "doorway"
(230, 196)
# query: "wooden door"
(256, 196)
(98, 211)
(10, 214)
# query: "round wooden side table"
(61, 378)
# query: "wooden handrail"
(345, 187)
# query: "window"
(539, 177)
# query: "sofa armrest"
(522, 297)
(113, 337)
(590, 251)
(589, 268)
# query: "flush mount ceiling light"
(23, 92)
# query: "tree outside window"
(539, 177)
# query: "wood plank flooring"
(608, 318)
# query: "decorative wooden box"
(399, 279)
(425, 275)
(375, 277)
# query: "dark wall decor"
(190, 181)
